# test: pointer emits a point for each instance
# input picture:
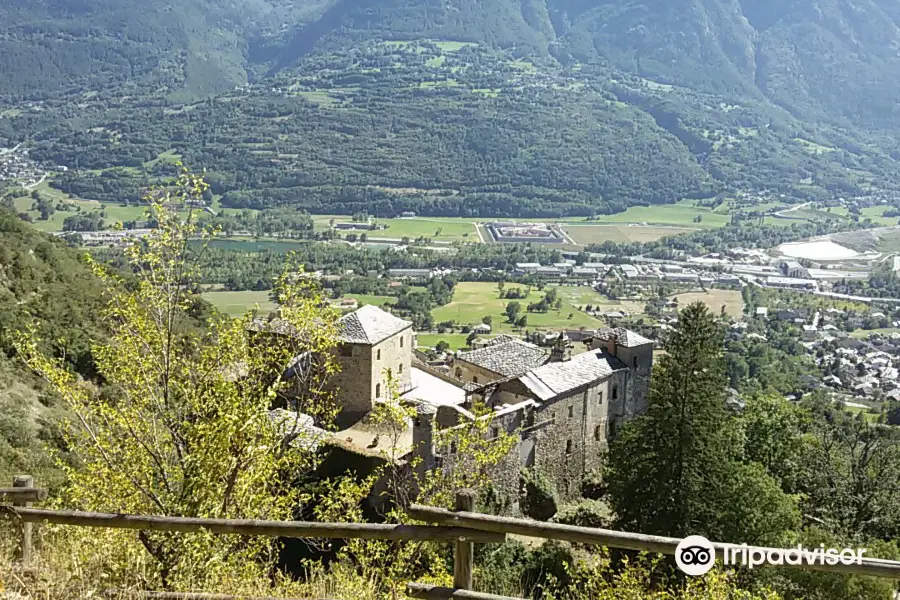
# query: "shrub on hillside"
(538, 500)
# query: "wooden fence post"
(464, 551)
(26, 550)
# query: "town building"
(506, 357)
(562, 406)
(356, 226)
(791, 283)
(793, 269)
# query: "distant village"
(17, 165)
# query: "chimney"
(611, 343)
(560, 350)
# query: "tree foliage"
(677, 470)
(182, 425)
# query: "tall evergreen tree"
(676, 470)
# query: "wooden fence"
(461, 526)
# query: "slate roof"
(557, 378)
(508, 358)
(624, 337)
(366, 325)
(369, 325)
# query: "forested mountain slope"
(193, 46)
(41, 279)
(501, 108)
(817, 58)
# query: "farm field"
(597, 234)
(861, 334)
(442, 229)
(474, 300)
(679, 214)
(370, 299)
(237, 303)
(714, 299)
(114, 212)
(430, 340)
(876, 214)
(255, 245)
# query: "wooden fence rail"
(123, 594)
(622, 540)
(421, 590)
(286, 529)
(462, 526)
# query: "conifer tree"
(676, 470)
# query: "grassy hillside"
(39, 278)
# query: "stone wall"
(639, 361)
(570, 445)
(363, 375)
(394, 353)
(469, 372)
(354, 385)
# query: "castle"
(564, 406)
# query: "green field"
(862, 334)
(597, 234)
(114, 212)
(680, 214)
(474, 300)
(369, 299)
(445, 229)
(254, 245)
(237, 303)
(430, 340)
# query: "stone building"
(374, 345)
(373, 348)
(504, 357)
(563, 408)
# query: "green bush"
(586, 513)
(539, 498)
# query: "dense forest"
(346, 117)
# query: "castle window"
(378, 355)
(452, 447)
(401, 341)
(598, 432)
(615, 392)
(458, 373)
(401, 368)
(571, 411)
(568, 446)
(635, 362)
(495, 432)
(474, 379)
(600, 396)
(378, 390)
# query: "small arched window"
(401, 368)
(568, 446)
(378, 355)
(401, 341)
(378, 390)
(635, 362)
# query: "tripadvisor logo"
(695, 555)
